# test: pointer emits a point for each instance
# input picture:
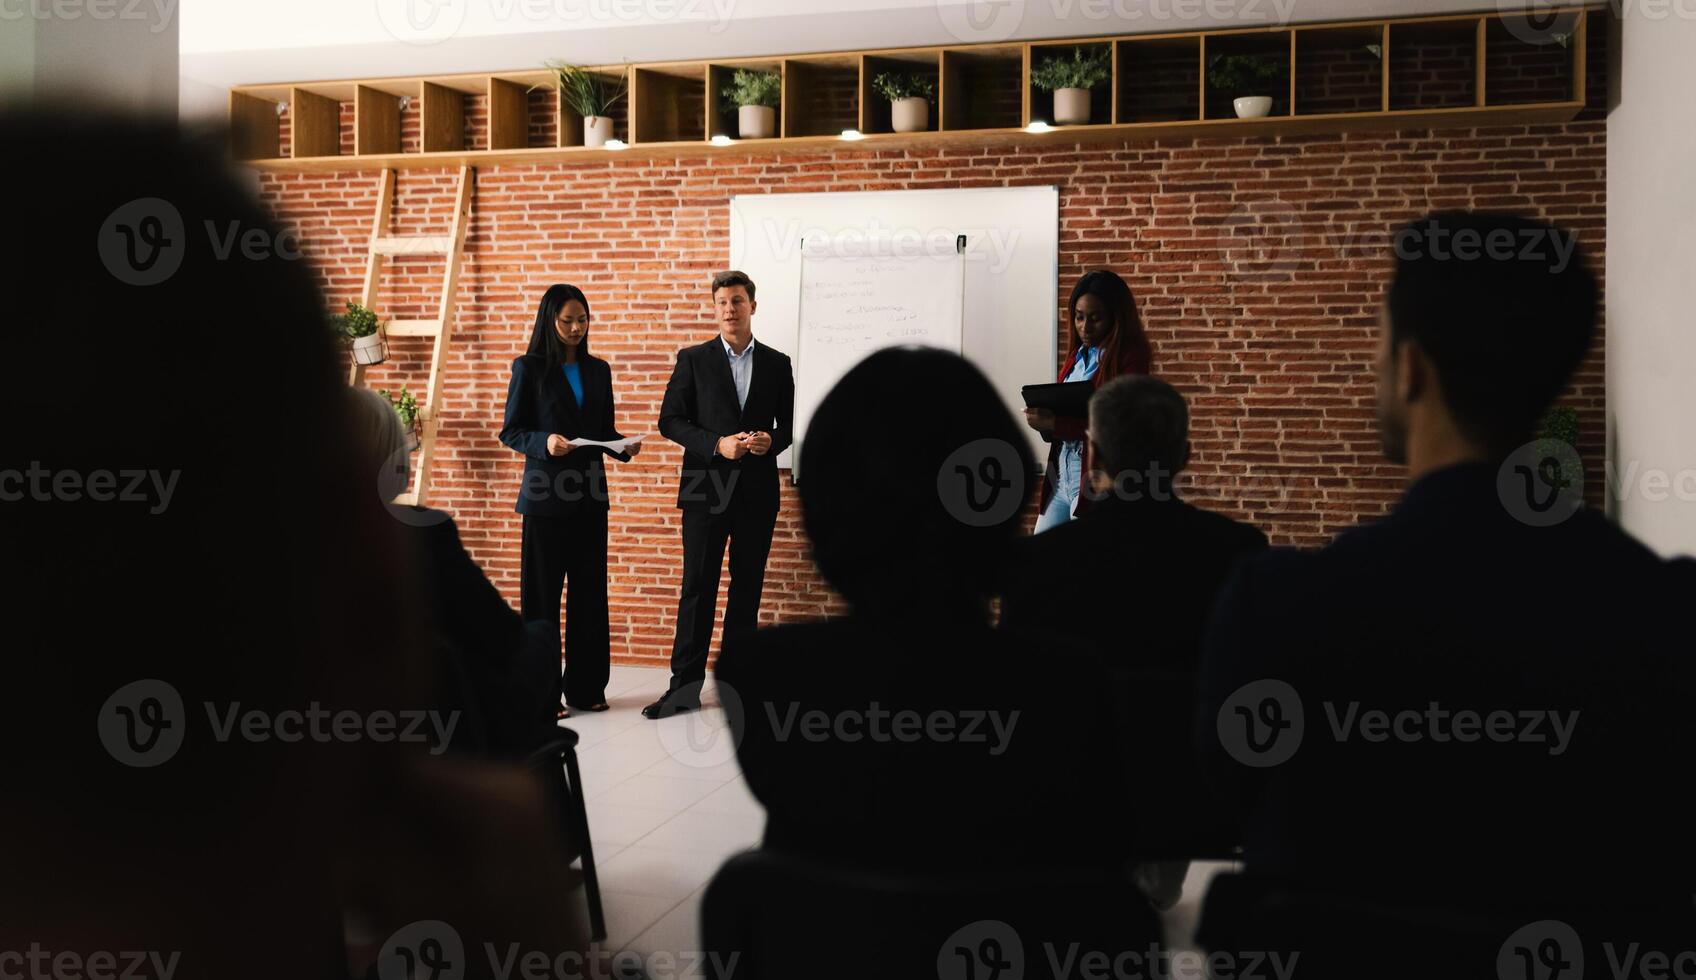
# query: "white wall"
(120, 55)
(1651, 280)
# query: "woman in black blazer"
(559, 393)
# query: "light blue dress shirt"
(741, 369)
(1068, 476)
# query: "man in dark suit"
(729, 404)
(1467, 704)
(1136, 577)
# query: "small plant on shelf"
(591, 96)
(406, 408)
(909, 98)
(755, 95)
(362, 331)
(1070, 79)
(1246, 78)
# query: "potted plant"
(406, 407)
(1557, 437)
(590, 96)
(909, 98)
(1070, 79)
(755, 95)
(1244, 77)
(363, 332)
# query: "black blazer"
(1452, 601)
(700, 408)
(539, 403)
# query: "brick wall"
(1258, 265)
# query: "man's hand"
(633, 449)
(558, 445)
(759, 443)
(734, 446)
(1040, 419)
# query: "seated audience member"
(1136, 576)
(910, 735)
(1474, 702)
(493, 668)
(205, 650)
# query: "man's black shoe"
(667, 706)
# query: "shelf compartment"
(523, 111)
(1158, 80)
(1525, 63)
(315, 123)
(821, 96)
(376, 121)
(668, 103)
(1101, 97)
(874, 108)
(1434, 64)
(1339, 70)
(255, 127)
(982, 88)
(1274, 45)
(722, 118)
(445, 112)
(569, 122)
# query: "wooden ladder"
(452, 246)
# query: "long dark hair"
(544, 339)
(1126, 335)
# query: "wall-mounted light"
(722, 140)
(282, 107)
(405, 101)
(1038, 126)
(853, 134)
(616, 145)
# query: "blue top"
(1083, 369)
(574, 377)
(741, 369)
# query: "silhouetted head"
(562, 325)
(880, 493)
(1103, 313)
(1485, 320)
(380, 437)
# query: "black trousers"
(748, 531)
(570, 552)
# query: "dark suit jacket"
(1049, 795)
(1136, 579)
(1452, 602)
(539, 403)
(700, 408)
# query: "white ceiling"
(234, 42)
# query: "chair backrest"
(770, 915)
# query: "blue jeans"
(1068, 475)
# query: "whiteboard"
(852, 305)
(1009, 268)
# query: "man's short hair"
(1137, 422)
(1505, 308)
(733, 277)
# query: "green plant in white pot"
(909, 98)
(755, 95)
(1070, 79)
(363, 332)
(591, 96)
(1247, 78)
(406, 408)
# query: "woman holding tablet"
(559, 393)
(1107, 341)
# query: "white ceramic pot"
(597, 130)
(756, 122)
(1252, 106)
(370, 349)
(910, 115)
(1071, 106)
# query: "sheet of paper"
(616, 445)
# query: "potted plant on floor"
(1245, 77)
(591, 96)
(909, 98)
(406, 407)
(363, 332)
(755, 95)
(1070, 79)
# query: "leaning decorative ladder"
(451, 246)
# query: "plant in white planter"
(590, 96)
(755, 95)
(1070, 79)
(363, 333)
(1247, 78)
(909, 98)
(406, 407)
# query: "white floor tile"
(656, 792)
(629, 915)
(716, 833)
(659, 871)
(623, 825)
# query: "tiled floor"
(667, 806)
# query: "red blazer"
(1132, 359)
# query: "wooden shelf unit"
(1452, 70)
